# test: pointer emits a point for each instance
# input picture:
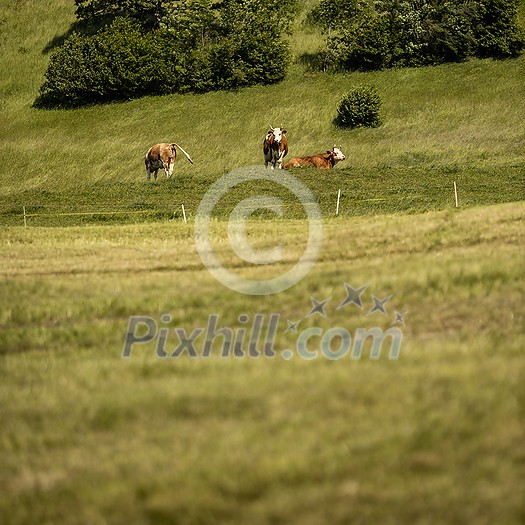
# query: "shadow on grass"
(58, 41)
(314, 61)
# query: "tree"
(93, 12)
(393, 33)
(330, 15)
(196, 46)
(114, 64)
(496, 29)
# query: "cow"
(275, 147)
(162, 156)
(322, 161)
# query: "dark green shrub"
(198, 46)
(431, 33)
(76, 74)
(359, 108)
(496, 29)
(119, 63)
(249, 46)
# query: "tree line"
(124, 49)
(370, 35)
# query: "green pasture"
(460, 122)
(435, 436)
(452, 123)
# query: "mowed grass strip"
(164, 256)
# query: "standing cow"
(322, 160)
(275, 147)
(162, 156)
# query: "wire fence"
(46, 213)
(332, 204)
(383, 191)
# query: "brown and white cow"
(275, 147)
(322, 161)
(162, 156)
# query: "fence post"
(456, 193)
(338, 199)
(183, 213)
(25, 217)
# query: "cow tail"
(187, 156)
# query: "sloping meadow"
(302, 426)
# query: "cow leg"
(148, 173)
(155, 174)
(168, 170)
(280, 161)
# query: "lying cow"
(322, 161)
(162, 156)
(275, 147)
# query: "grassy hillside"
(455, 121)
(459, 121)
(433, 437)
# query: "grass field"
(432, 437)
(435, 436)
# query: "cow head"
(338, 154)
(276, 134)
(334, 156)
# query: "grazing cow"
(322, 161)
(275, 147)
(162, 156)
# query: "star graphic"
(379, 305)
(400, 318)
(292, 327)
(318, 307)
(353, 296)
